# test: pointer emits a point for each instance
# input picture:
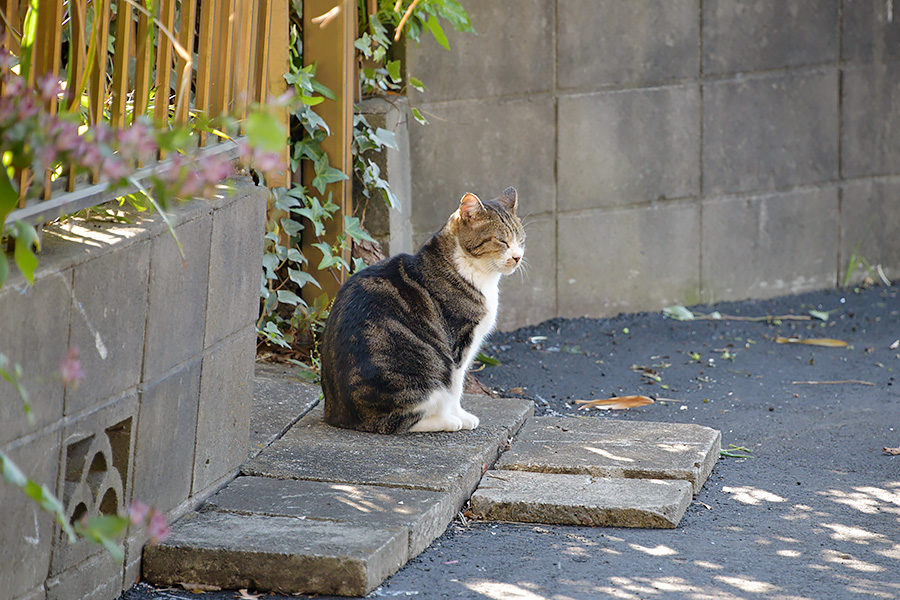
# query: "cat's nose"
(516, 258)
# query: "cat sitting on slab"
(402, 333)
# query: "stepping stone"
(314, 450)
(613, 448)
(279, 399)
(526, 497)
(279, 554)
(424, 514)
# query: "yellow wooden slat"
(221, 74)
(164, 53)
(243, 22)
(48, 39)
(78, 40)
(119, 89)
(142, 66)
(204, 59)
(183, 64)
(277, 59)
(261, 53)
(331, 48)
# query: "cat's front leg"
(469, 421)
(439, 422)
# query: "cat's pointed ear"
(470, 206)
(509, 198)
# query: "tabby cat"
(402, 333)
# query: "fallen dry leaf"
(826, 342)
(891, 451)
(246, 595)
(616, 403)
(517, 390)
(199, 588)
(895, 345)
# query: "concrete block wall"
(162, 416)
(667, 151)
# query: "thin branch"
(841, 381)
(403, 20)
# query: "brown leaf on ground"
(246, 595)
(891, 451)
(473, 386)
(616, 403)
(517, 390)
(826, 342)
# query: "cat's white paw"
(439, 423)
(469, 421)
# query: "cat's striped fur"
(402, 333)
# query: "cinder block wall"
(162, 415)
(668, 151)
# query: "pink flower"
(137, 512)
(158, 528)
(70, 369)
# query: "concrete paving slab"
(316, 451)
(425, 514)
(281, 554)
(613, 448)
(525, 497)
(280, 397)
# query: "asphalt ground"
(811, 510)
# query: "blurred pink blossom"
(70, 369)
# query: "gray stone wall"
(667, 151)
(162, 415)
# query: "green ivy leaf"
(326, 174)
(418, 116)
(302, 278)
(393, 69)
(417, 84)
(353, 228)
(26, 259)
(288, 297)
(434, 26)
(386, 138)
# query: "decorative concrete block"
(628, 260)
(28, 337)
(176, 318)
(528, 296)
(100, 578)
(870, 117)
(111, 288)
(95, 474)
(609, 42)
(223, 417)
(870, 31)
(25, 529)
(482, 146)
(511, 54)
(235, 262)
(747, 35)
(771, 245)
(166, 429)
(870, 226)
(770, 132)
(627, 147)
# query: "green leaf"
(353, 228)
(434, 26)
(288, 297)
(302, 278)
(386, 138)
(326, 175)
(393, 69)
(487, 360)
(26, 259)
(818, 314)
(417, 84)
(311, 100)
(265, 131)
(418, 116)
(11, 472)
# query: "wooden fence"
(211, 57)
